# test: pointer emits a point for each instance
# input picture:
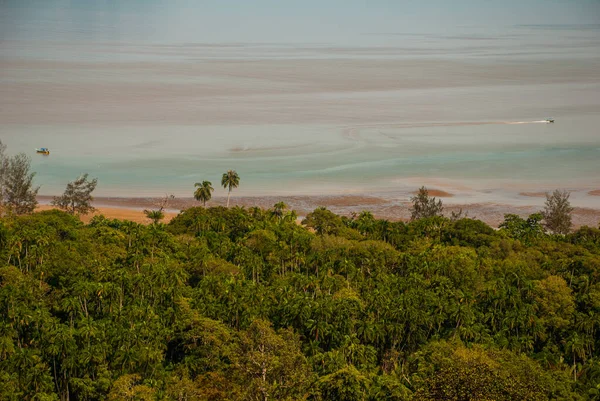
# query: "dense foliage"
(238, 304)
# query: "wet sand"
(391, 208)
(437, 193)
(533, 194)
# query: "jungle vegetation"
(247, 304)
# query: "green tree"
(272, 363)
(424, 206)
(16, 183)
(346, 384)
(524, 230)
(3, 162)
(554, 302)
(77, 198)
(126, 388)
(323, 221)
(154, 215)
(203, 192)
(454, 372)
(557, 212)
(365, 223)
(230, 180)
(3, 168)
(18, 193)
(279, 210)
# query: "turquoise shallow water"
(150, 113)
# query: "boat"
(549, 120)
(43, 151)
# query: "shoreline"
(393, 208)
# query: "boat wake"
(353, 132)
(526, 122)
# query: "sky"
(329, 21)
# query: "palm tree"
(230, 180)
(154, 215)
(279, 210)
(204, 191)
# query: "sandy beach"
(393, 209)
(122, 213)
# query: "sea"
(119, 91)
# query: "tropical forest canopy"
(246, 304)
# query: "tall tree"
(16, 183)
(203, 192)
(424, 206)
(230, 180)
(77, 198)
(557, 212)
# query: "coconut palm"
(204, 191)
(279, 210)
(230, 180)
(154, 215)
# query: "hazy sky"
(277, 20)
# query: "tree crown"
(557, 212)
(230, 179)
(77, 198)
(425, 206)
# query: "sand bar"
(437, 193)
(533, 194)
